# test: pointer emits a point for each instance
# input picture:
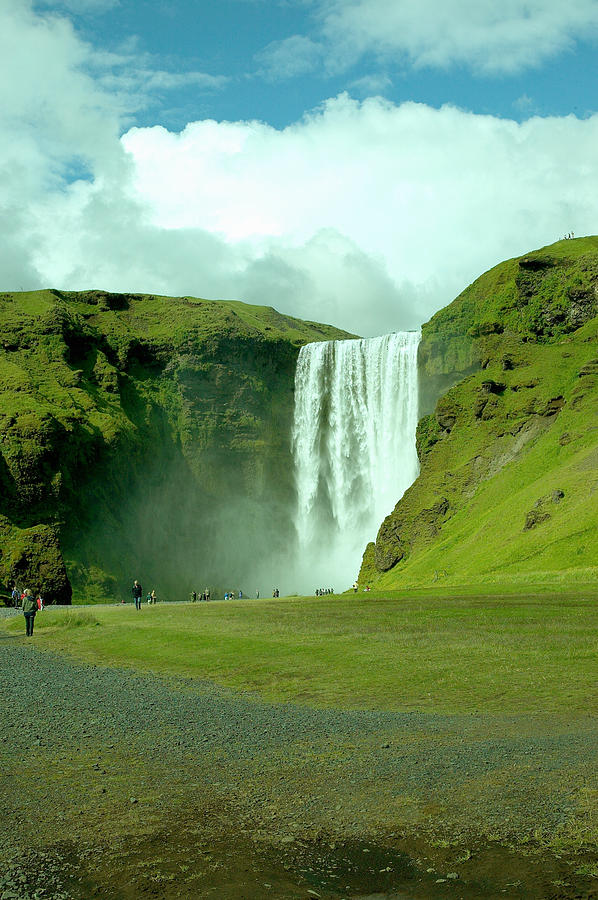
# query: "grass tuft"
(518, 654)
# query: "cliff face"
(508, 444)
(142, 434)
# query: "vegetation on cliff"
(508, 445)
(142, 434)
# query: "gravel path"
(82, 746)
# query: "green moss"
(128, 426)
(510, 388)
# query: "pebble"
(120, 710)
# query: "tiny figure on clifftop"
(137, 592)
(29, 611)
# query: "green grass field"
(496, 654)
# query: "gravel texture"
(83, 746)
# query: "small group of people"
(30, 604)
(569, 237)
(203, 596)
(321, 592)
(18, 596)
(356, 587)
(137, 592)
(275, 592)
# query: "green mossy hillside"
(136, 428)
(508, 444)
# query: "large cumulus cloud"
(368, 215)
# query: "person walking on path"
(29, 611)
(137, 592)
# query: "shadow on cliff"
(177, 518)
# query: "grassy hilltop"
(138, 434)
(508, 445)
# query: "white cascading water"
(353, 448)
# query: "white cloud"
(371, 85)
(368, 215)
(137, 83)
(433, 195)
(172, 80)
(51, 112)
(293, 56)
(489, 37)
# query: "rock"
(552, 406)
(446, 413)
(39, 564)
(490, 408)
(483, 329)
(488, 386)
(535, 517)
(531, 383)
(479, 406)
(557, 495)
(388, 549)
(590, 368)
(428, 433)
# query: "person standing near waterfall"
(137, 592)
(29, 611)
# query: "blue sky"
(353, 161)
(232, 40)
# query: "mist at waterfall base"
(350, 446)
(354, 453)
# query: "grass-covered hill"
(142, 436)
(508, 445)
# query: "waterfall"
(353, 448)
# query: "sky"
(355, 162)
